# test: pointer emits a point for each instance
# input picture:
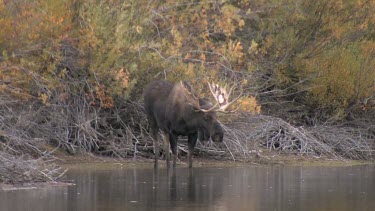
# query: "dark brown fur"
(174, 109)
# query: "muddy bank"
(89, 161)
(267, 158)
(33, 186)
(65, 162)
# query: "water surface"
(204, 188)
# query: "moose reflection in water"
(180, 186)
(275, 187)
(175, 109)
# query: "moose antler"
(222, 96)
(190, 95)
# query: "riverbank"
(69, 162)
(89, 161)
(18, 170)
(267, 158)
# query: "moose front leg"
(166, 148)
(173, 142)
(156, 146)
(192, 140)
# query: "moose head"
(205, 112)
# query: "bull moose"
(175, 109)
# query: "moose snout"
(218, 133)
(218, 137)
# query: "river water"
(203, 188)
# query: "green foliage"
(315, 50)
(114, 34)
(340, 76)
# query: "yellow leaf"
(241, 23)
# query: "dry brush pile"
(248, 135)
(23, 157)
(26, 130)
(20, 169)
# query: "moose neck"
(181, 113)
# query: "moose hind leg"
(192, 140)
(166, 148)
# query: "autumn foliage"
(319, 49)
(308, 62)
